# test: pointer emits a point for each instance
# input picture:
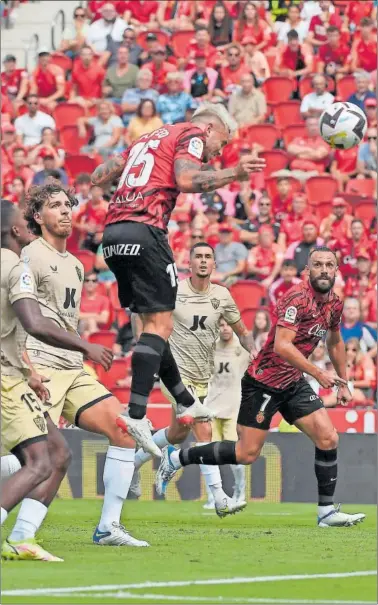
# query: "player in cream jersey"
(200, 305)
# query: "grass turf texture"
(186, 544)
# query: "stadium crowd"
(125, 68)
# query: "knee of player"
(62, 458)
(41, 468)
(177, 435)
(328, 441)
(247, 454)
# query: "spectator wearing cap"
(107, 129)
(287, 280)
(230, 256)
(314, 103)
(333, 56)
(146, 120)
(247, 104)
(73, 36)
(362, 92)
(250, 24)
(371, 112)
(255, 60)
(367, 155)
(294, 59)
(317, 31)
(176, 16)
(265, 260)
(142, 15)
(231, 74)
(159, 67)
(119, 77)
(249, 233)
(201, 42)
(364, 49)
(48, 81)
(174, 103)
(14, 81)
(109, 57)
(49, 164)
(291, 226)
(359, 285)
(200, 81)
(110, 25)
(310, 152)
(87, 79)
(220, 26)
(299, 251)
(30, 125)
(293, 22)
(180, 238)
(132, 97)
(49, 142)
(337, 226)
(18, 169)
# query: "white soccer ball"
(343, 125)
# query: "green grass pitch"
(191, 545)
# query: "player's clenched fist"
(248, 164)
(100, 354)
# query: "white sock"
(29, 520)
(160, 438)
(213, 479)
(118, 473)
(324, 510)
(4, 515)
(175, 459)
(9, 466)
(238, 471)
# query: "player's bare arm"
(36, 380)
(108, 171)
(45, 330)
(245, 337)
(285, 348)
(336, 352)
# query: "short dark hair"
(288, 262)
(19, 149)
(7, 213)
(83, 177)
(332, 28)
(292, 35)
(201, 245)
(32, 95)
(321, 249)
(141, 105)
(366, 22)
(357, 220)
(38, 195)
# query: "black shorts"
(259, 403)
(142, 261)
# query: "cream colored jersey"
(231, 361)
(58, 279)
(196, 328)
(13, 336)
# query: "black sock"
(145, 364)
(326, 474)
(170, 375)
(216, 453)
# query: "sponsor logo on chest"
(317, 331)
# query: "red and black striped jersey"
(147, 190)
(302, 310)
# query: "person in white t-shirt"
(29, 127)
(314, 103)
(293, 21)
(110, 25)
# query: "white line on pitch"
(262, 515)
(214, 581)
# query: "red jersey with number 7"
(301, 310)
(147, 190)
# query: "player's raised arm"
(109, 171)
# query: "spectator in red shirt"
(201, 42)
(358, 286)
(19, 168)
(317, 31)
(287, 280)
(48, 81)
(344, 165)
(294, 60)
(94, 307)
(7, 110)
(176, 16)
(250, 24)
(230, 74)
(333, 56)
(220, 26)
(337, 226)
(90, 220)
(371, 112)
(364, 51)
(311, 152)
(282, 202)
(17, 193)
(180, 238)
(264, 260)
(291, 226)
(14, 82)
(94, 8)
(159, 67)
(8, 144)
(348, 249)
(142, 14)
(250, 228)
(356, 11)
(87, 79)
(299, 251)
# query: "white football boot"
(197, 411)
(117, 536)
(139, 430)
(335, 518)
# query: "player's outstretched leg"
(319, 428)
(238, 471)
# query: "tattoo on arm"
(199, 180)
(109, 170)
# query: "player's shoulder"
(186, 130)
(218, 289)
(184, 287)
(296, 292)
(9, 260)
(336, 302)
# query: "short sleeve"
(304, 104)
(190, 145)
(230, 310)
(240, 252)
(21, 283)
(335, 322)
(289, 311)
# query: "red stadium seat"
(62, 60)
(162, 38)
(271, 185)
(346, 87)
(66, 114)
(180, 42)
(122, 394)
(264, 134)
(69, 137)
(320, 189)
(247, 293)
(119, 369)
(322, 210)
(287, 113)
(75, 164)
(275, 160)
(293, 131)
(86, 257)
(305, 85)
(363, 187)
(278, 88)
(248, 317)
(105, 338)
(366, 211)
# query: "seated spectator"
(120, 77)
(362, 90)
(261, 327)
(367, 156)
(159, 67)
(107, 130)
(291, 226)
(356, 11)
(314, 103)
(17, 192)
(293, 22)
(14, 81)
(369, 308)
(48, 81)
(249, 24)
(231, 74)
(87, 79)
(352, 327)
(282, 203)
(104, 275)
(83, 186)
(94, 307)
(255, 60)
(333, 56)
(74, 36)
(337, 226)
(210, 221)
(136, 52)
(364, 50)
(317, 31)
(48, 141)
(7, 109)
(142, 15)
(230, 256)
(310, 152)
(94, 8)
(264, 260)
(299, 251)
(247, 104)
(371, 112)
(176, 16)
(344, 165)
(110, 25)
(244, 201)
(293, 60)
(182, 257)
(220, 26)
(361, 371)
(145, 121)
(348, 249)
(201, 43)
(358, 286)
(90, 220)
(49, 164)
(133, 96)
(286, 281)
(180, 238)
(173, 105)
(279, 12)
(8, 144)
(250, 228)
(200, 81)
(30, 125)
(18, 168)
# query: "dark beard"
(322, 289)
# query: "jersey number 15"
(139, 156)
